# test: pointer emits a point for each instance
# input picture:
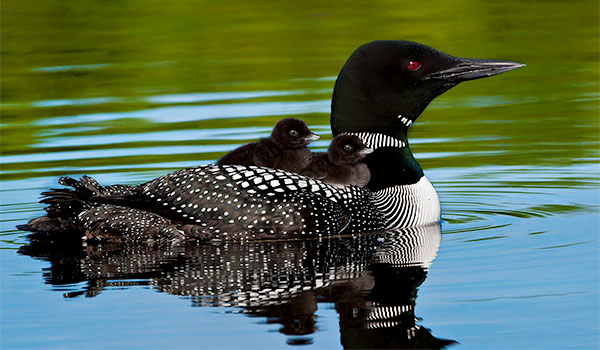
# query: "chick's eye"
(347, 148)
(414, 65)
(293, 133)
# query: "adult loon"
(381, 90)
(342, 164)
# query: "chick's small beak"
(366, 151)
(311, 137)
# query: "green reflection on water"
(73, 59)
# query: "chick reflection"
(371, 279)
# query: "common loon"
(341, 164)
(285, 149)
(381, 90)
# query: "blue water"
(510, 273)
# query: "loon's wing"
(248, 202)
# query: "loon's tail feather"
(61, 213)
(68, 203)
(89, 189)
(85, 185)
(100, 215)
(65, 205)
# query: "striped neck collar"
(377, 140)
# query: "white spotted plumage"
(249, 202)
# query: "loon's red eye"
(414, 65)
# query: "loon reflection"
(371, 279)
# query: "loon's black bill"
(469, 69)
(366, 151)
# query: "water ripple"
(114, 152)
(179, 135)
(192, 97)
(80, 67)
(177, 114)
(222, 96)
(76, 102)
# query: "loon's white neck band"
(377, 140)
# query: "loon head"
(385, 85)
(292, 133)
(347, 150)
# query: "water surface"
(129, 91)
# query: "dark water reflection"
(371, 279)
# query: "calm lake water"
(128, 91)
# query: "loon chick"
(381, 90)
(341, 164)
(285, 149)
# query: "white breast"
(409, 205)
